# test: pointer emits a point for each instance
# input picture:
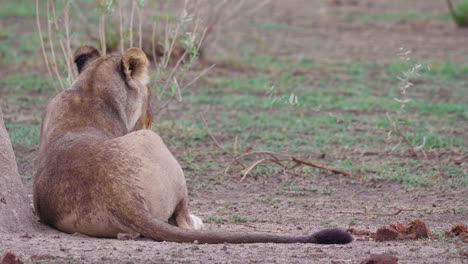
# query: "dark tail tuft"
(331, 236)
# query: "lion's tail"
(162, 231)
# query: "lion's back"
(81, 181)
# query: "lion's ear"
(84, 55)
(135, 65)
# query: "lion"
(103, 173)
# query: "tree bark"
(15, 210)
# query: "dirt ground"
(327, 34)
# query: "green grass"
(28, 90)
(28, 83)
(214, 219)
(23, 134)
(18, 8)
(341, 110)
(236, 218)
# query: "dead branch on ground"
(281, 159)
(399, 210)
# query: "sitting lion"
(103, 173)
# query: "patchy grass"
(236, 218)
(27, 91)
(23, 134)
(26, 83)
(19, 49)
(301, 107)
(276, 98)
(339, 110)
(17, 8)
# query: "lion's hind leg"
(185, 220)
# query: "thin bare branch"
(218, 13)
(121, 33)
(396, 129)
(51, 43)
(66, 14)
(258, 162)
(102, 32)
(319, 166)
(41, 38)
(275, 157)
(153, 43)
(61, 40)
(399, 210)
(140, 22)
(130, 29)
(251, 167)
(272, 154)
(166, 103)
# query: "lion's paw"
(197, 223)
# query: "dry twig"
(319, 166)
(399, 210)
(50, 6)
(41, 38)
(278, 158)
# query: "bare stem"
(122, 43)
(153, 44)
(41, 38)
(130, 29)
(140, 22)
(68, 57)
(62, 41)
(398, 132)
(51, 43)
(102, 32)
(166, 103)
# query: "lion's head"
(121, 81)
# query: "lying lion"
(102, 173)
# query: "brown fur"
(102, 173)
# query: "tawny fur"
(103, 173)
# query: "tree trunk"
(15, 211)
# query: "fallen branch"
(258, 162)
(376, 214)
(315, 165)
(278, 158)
